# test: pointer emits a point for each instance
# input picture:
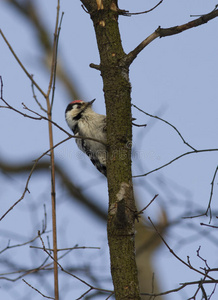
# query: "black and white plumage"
(83, 121)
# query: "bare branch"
(208, 225)
(28, 10)
(20, 245)
(158, 118)
(37, 290)
(177, 158)
(187, 264)
(21, 65)
(11, 107)
(209, 204)
(54, 51)
(204, 260)
(134, 53)
(74, 191)
(216, 6)
(211, 194)
(213, 291)
(94, 66)
(29, 177)
(142, 210)
(66, 249)
(35, 98)
(163, 32)
(25, 272)
(144, 12)
(74, 276)
(55, 59)
(139, 125)
(182, 286)
(17, 111)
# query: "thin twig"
(19, 112)
(187, 264)
(176, 158)
(54, 50)
(204, 260)
(25, 272)
(55, 62)
(139, 125)
(11, 107)
(203, 291)
(110, 296)
(216, 6)
(208, 225)
(94, 66)
(142, 210)
(163, 32)
(37, 290)
(144, 12)
(73, 190)
(200, 287)
(209, 204)
(84, 8)
(22, 66)
(66, 249)
(74, 276)
(35, 98)
(211, 194)
(1, 80)
(30, 174)
(171, 125)
(183, 285)
(20, 245)
(44, 222)
(85, 293)
(213, 291)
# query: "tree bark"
(117, 89)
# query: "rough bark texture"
(117, 89)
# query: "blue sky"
(175, 77)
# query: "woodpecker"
(84, 122)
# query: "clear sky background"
(174, 77)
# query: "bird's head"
(76, 108)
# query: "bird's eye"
(78, 105)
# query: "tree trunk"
(117, 89)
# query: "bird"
(85, 122)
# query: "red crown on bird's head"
(77, 101)
(81, 101)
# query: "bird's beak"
(90, 102)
